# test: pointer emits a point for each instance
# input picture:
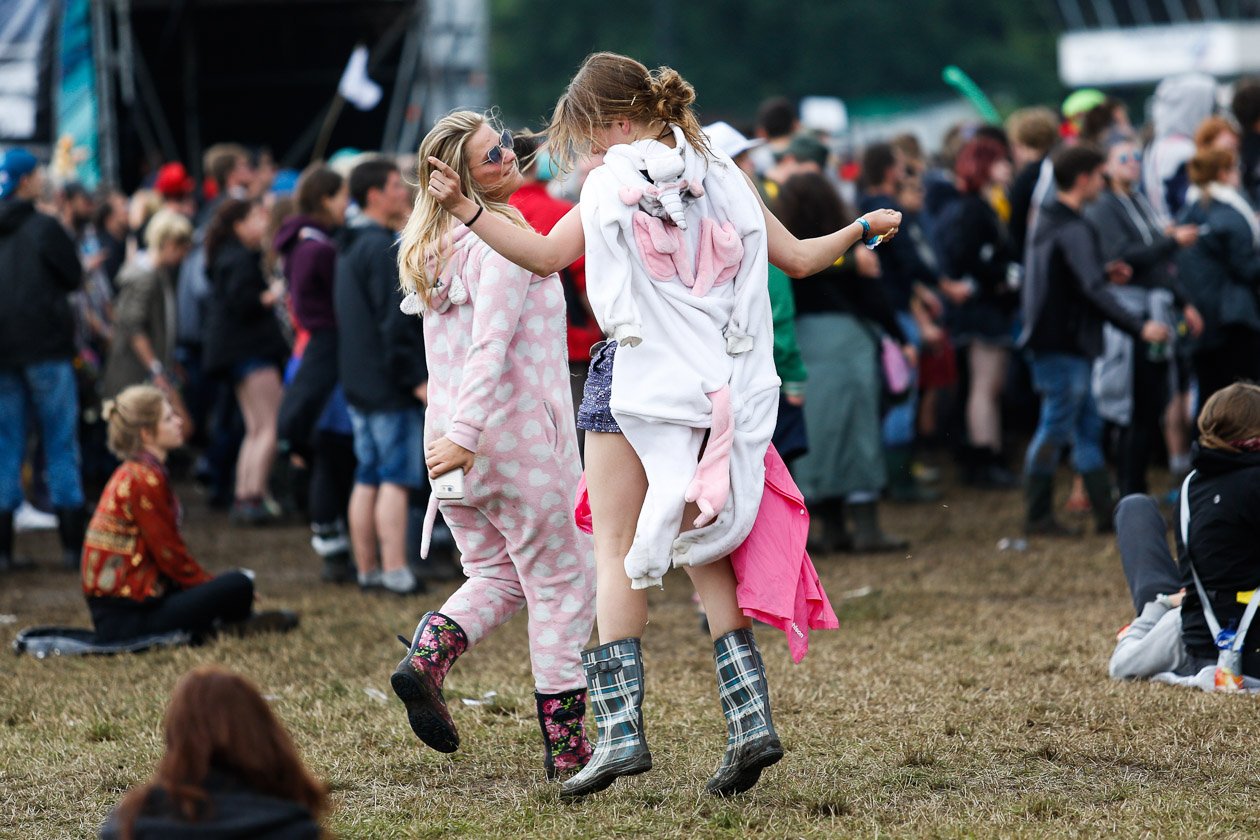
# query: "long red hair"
(218, 720)
(975, 162)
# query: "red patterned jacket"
(133, 547)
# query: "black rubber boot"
(902, 485)
(562, 719)
(868, 537)
(1039, 518)
(751, 742)
(71, 527)
(1102, 498)
(6, 541)
(431, 651)
(828, 532)
(614, 680)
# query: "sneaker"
(27, 517)
(401, 582)
(267, 621)
(251, 512)
(370, 580)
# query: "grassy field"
(965, 697)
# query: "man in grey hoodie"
(1181, 103)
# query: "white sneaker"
(27, 517)
(400, 581)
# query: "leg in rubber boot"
(418, 679)
(562, 720)
(751, 742)
(614, 679)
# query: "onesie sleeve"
(748, 320)
(499, 299)
(609, 266)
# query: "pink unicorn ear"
(696, 188)
(630, 196)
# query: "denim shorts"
(593, 414)
(244, 368)
(389, 446)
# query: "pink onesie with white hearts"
(498, 385)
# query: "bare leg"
(617, 485)
(716, 584)
(363, 527)
(259, 395)
(391, 526)
(988, 374)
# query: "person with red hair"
(230, 770)
(975, 249)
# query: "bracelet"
(155, 368)
(866, 228)
(475, 217)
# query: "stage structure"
(161, 80)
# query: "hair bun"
(108, 408)
(673, 94)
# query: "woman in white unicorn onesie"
(676, 242)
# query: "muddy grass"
(966, 695)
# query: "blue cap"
(285, 182)
(15, 164)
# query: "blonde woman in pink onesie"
(676, 242)
(500, 409)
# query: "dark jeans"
(1142, 537)
(1150, 398)
(332, 477)
(1237, 358)
(307, 393)
(228, 597)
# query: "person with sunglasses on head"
(499, 410)
(676, 242)
(1140, 250)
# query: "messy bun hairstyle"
(138, 407)
(1208, 165)
(610, 87)
(1230, 419)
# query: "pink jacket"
(777, 582)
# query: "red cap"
(173, 181)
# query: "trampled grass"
(966, 696)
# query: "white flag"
(355, 86)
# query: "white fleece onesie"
(676, 273)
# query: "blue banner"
(77, 154)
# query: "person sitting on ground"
(1170, 633)
(230, 770)
(138, 576)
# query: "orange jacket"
(133, 547)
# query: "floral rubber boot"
(436, 644)
(562, 718)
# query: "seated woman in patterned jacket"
(138, 576)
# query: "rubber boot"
(828, 532)
(6, 541)
(1102, 498)
(867, 535)
(562, 718)
(902, 485)
(71, 527)
(751, 742)
(614, 678)
(1039, 518)
(436, 644)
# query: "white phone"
(449, 485)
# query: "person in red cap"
(176, 187)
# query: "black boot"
(751, 742)
(1039, 518)
(418, 679)
(562, 718)
(614, 679)
(867, 535)
(6, 541)
(902, 485)
(1102, 498)
(828, 533)
(331, 543)
(71, 526)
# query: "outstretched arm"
(804, 257)
(541, 255)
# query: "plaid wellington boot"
(437, 643)
(751, 742)
(562, 718)
(614, 678)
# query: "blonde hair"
(137, 407)
(1230, 415)
(165, 226)
(422, 251)
(609, 87)
(1036, 127)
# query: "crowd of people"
(1065, 266)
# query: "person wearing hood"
(1170, 634)
(314, 423)
(143, 349)
(1181, 104)
(1065, 300)
(1221, 272)
(39, 268)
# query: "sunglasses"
(1136, 157)
(495, 155)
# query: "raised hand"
(444, 187)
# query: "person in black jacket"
(39, 267)
(1170, 633)
(383, 373)
(230, 770)
(1065, 300)
(244, 344)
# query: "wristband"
(866, 228)
(475, 217)
(155, 368)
